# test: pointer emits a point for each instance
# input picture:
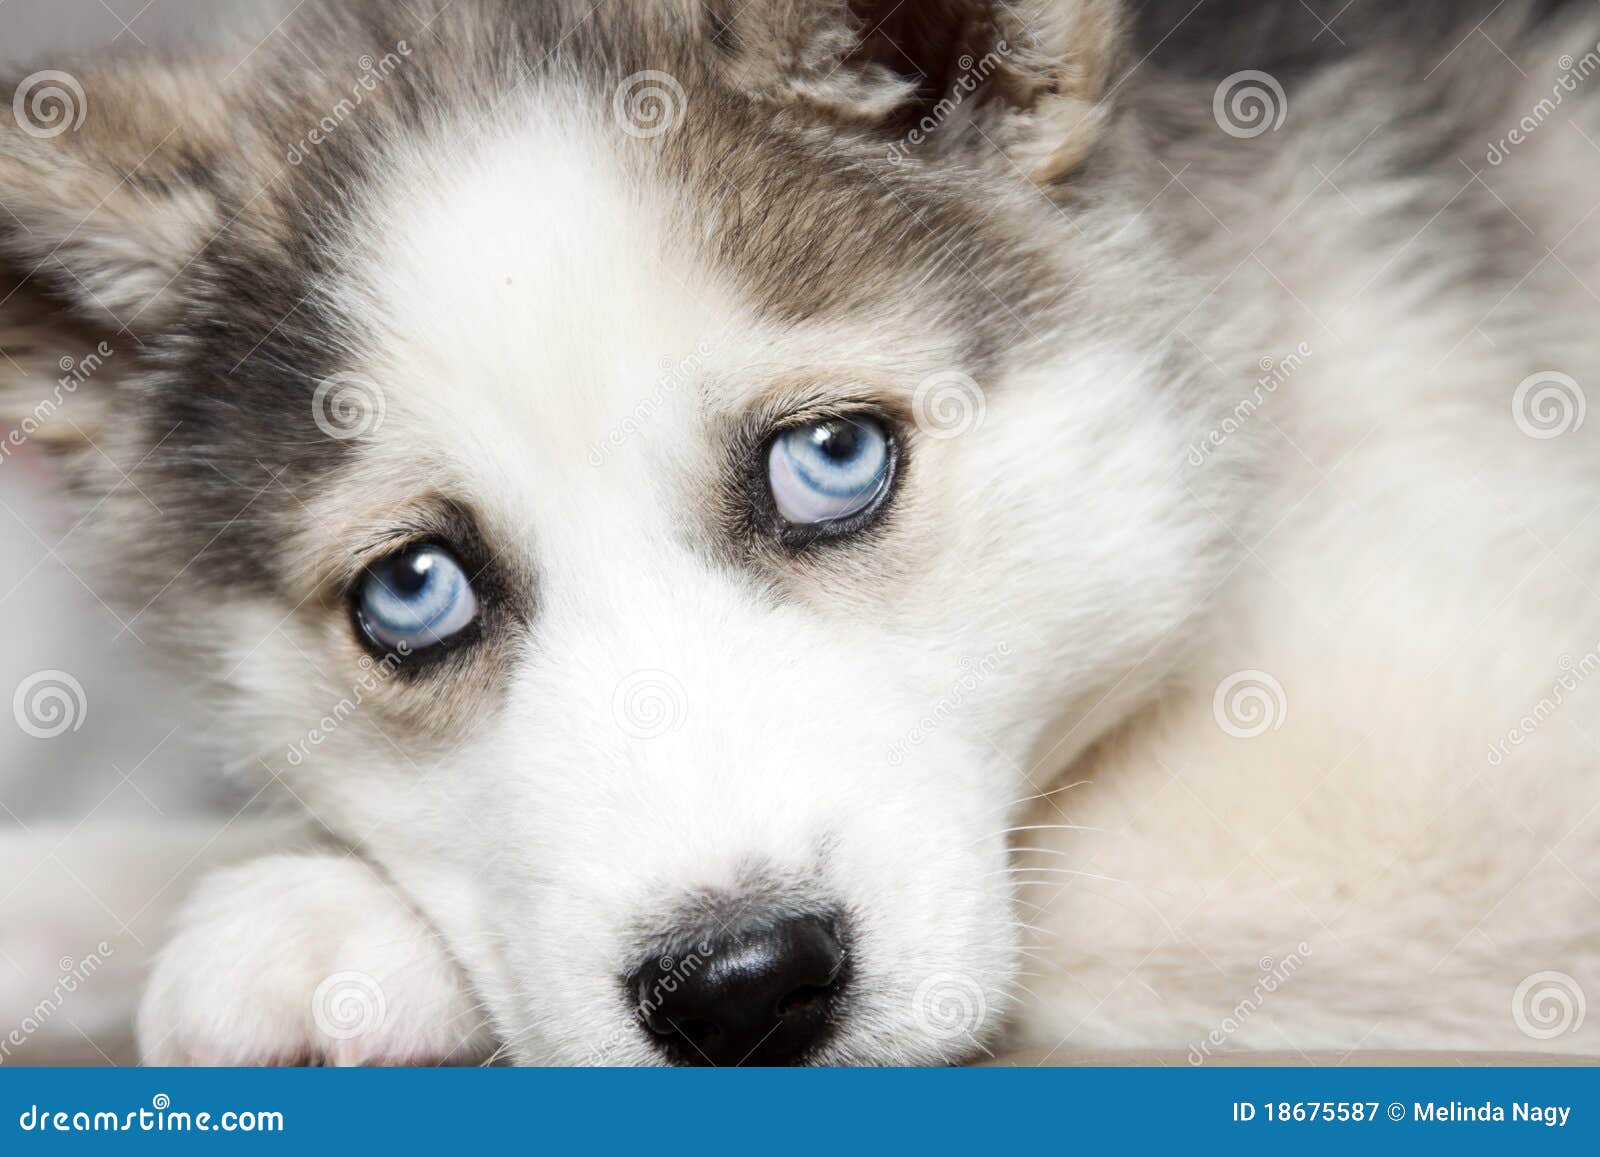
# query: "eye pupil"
(410, 577)
(838, 440)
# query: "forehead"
(552, 310)
(527, 284)
(533, 328)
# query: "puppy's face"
(672, 538)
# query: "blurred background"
(132, 751)
(116, 784)
(31, 30)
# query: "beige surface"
(120, 1051)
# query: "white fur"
(1421, 894)
(1379, 538)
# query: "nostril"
(804, 1000)
(764, 993)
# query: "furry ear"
(1027, 77)
(107, 192)
(108, 183)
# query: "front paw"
(312, 959)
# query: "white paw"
(310, 959)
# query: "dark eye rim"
(419, 658)
(797, 538)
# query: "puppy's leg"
(306, 959)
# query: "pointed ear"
(108, 183)
(108, 190)
(1027, 78)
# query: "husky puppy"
(839, 531)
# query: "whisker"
(1048, 794)
(1053, 828)
(1058, 872)
(1038, 828)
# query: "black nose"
(765, 994)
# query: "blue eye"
(828, 471)
(416, 599)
